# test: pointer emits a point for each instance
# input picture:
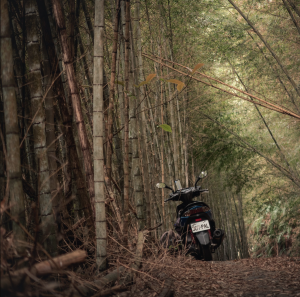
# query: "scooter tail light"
(194, 211)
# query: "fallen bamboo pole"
(112, 277)
(43, 268)
(111, 291)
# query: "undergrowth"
(276, 230)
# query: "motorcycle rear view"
(194, 221)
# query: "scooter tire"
(206, 252)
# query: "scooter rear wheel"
(206, 252)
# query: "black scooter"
(195, 224)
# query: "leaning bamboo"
(259, 101)
(82, 134)
(66, 118)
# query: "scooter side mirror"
(203, 174)
(163, 186)
(160, 185)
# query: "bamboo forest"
(149, 148)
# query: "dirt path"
(248, 277)
(252, 277)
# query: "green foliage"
(214, 33)
(235, 55)
(166, 127)
(273, 232)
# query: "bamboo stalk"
(126, 123)
(82, 134)
(56, 196)
(38, 113)
(14, 173)
(109, 150)
(137, 172)
(98, 133)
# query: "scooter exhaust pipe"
(218, 237)
(218, 233)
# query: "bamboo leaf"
(120, 83)
(199, 65)
(175, 81)
(166, 127)
(141, 84)
(179, 83)
(150, 77)
(180, 87)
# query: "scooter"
(195, 224)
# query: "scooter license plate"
(200, 226)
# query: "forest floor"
(160, 274)
(278, 276)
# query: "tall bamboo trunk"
(245, 241)
(88, 18)
(73, 170)
(138, 168)
(174, 141)
(14, 173)
(22, 99)
(186, 140)
(119, 148)
(56, 196)
(74, 165)
(46, 16)
(126, 123)
(148, 184)
(38, 114)
(162, 149)
(112, 95)
(98, 132)
(82, 134)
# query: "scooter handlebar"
(186, 194)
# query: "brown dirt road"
(248, 277)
